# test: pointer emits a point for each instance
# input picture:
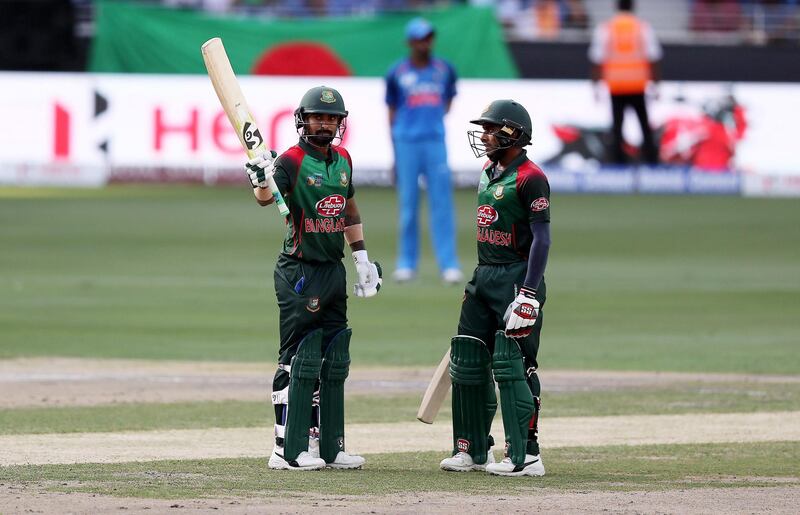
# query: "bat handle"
(276, 194)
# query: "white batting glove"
(261, 168)
(370, 275)
(522, 313)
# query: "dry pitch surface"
(65, 382)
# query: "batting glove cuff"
(360, 256)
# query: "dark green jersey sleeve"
(534, 192)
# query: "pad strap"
(533, 427)
(280, 400)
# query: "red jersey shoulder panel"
(344, 153)
(294, 154)
(530, 169)
(291, 161)
(528, 172)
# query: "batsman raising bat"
(501, 316)
(315, 179)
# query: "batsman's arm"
(370, 274)
(537, 259)
(353, 229)
(263, 196)
(271, 194)
(285, 178)
(534, 192)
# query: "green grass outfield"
(618, 468)
(673, 400)
(661, 283)
(634, 282)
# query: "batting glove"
(370, 275)
(522, 314)
(261, 168)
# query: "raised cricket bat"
(436, 392)
(233, 102)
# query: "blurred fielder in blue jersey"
(419, 90)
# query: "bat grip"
(276, 194)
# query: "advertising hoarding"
(90, 128)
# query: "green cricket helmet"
(320, 100)
(514, 127)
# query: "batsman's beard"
(321, 138)
(495, 154)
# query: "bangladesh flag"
(135, 38)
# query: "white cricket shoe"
(304, 461)
(346, 461)
(342, 460)
(452, 276)
(404, 275)
(533, 466)
(462, 462)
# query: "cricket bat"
(230, 96)
(436, 392)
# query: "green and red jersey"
(316, 188)
(508, 202)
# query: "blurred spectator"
(575, 16)
(716, 16)
(775, 21)
(217, 6)
(625, 54)
(724, 21)
(548, 18)
(508, 12)
(539, 19)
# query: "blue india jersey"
(420, 97)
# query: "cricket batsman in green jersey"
(501, 316)
(315, 178)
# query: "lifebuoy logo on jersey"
(487, 215)
(331, 205)
(540, 204)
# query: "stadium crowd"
(720, 21)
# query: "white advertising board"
(78, 128)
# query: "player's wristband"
(528, 292)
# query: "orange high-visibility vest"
(626, 69)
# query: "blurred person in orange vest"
(625, 54)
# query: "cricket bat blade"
(436, 392)
(232, 100)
